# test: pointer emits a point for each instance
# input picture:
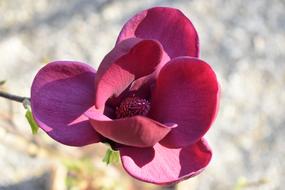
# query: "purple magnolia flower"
(151, 98)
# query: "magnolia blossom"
(151, 98)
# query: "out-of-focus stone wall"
(243, 40)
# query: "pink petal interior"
(186, 93)
(129, 60)
(141, 87)
(61, 92)
(169, 26)
(164, 166)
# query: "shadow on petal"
(165, 166)
(136, 131)
(135, 155)
(201, 156)
(58, 108)
(129, 60)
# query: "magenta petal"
(169, 26)
(186, 93)
(129, 60)
(61, 92)
(135, 131)
(163, 166)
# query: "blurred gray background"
(244, 41)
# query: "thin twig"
(13, 97)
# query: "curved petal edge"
(129, 60)
(165, 166)
(137, 131)
(61, 92)
(169, 26)
(186, 93)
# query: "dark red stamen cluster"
(132, 106)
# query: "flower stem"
(15, 98)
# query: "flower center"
(132, 106)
